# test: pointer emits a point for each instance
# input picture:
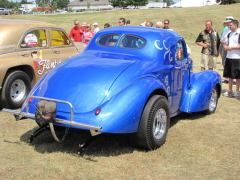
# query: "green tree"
(125, 3)
(228, 1)
(136, 2)
(169, 2)
(54, 5)
(88, 5)
(4, 3)
(16, 6)
(46, 2)
(114, 3)
(61, 3)
(43, 7)
(23, 2)
(34, 10)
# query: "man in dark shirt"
(210, 41)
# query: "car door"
(180, 76)
(34, 50)
(62, 46)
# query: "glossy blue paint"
(121, 80)
(202, 84)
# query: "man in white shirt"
(96, 27)
(232, 64)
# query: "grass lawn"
(197, 146)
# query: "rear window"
(109, 40)
(132, 42)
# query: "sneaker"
(228, 93)
(236, 94)
(225, 81)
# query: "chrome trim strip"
(63, 121)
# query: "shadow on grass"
(186, 116)
(103, 145)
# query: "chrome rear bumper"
(23, 115)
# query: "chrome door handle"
(25, 55)
(56, 52)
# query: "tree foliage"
(228, 1)
(125, 3)
(54, 5)
(61, 3)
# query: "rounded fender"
(198, 93)
(125, 109)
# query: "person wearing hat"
(226, 30)
(96, 27)
(76, 33)
(223, 52)
(232, 64)
(84, 24)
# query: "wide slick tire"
(154, 124)
(213, 102)
(16, 87)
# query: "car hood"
(82, 82)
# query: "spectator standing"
(148, 24)
(232, 64)
(96, 27)
(106, 25)
(121, 21)
(210, 41)
(76, 32)
(88, 34)
(128, 22)
(166, 24)
(223, 52)
(159, 24)
(225, 31)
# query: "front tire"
(154, 124)
(15, 89)
(213, 102)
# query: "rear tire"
(16, 87)
(154, 124)
(213, 102)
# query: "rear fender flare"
(124, 110)
(198, 95)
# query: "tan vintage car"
(28, 49)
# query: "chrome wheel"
(213, 100)
(18, 90)
(159, 123)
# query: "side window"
(132, 42)
(109, 40)
(180, 51)
(36, 38)
(59, 38)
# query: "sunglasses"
(87, 26)
(166, 23)
(119, 22)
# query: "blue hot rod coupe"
(129, 79)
